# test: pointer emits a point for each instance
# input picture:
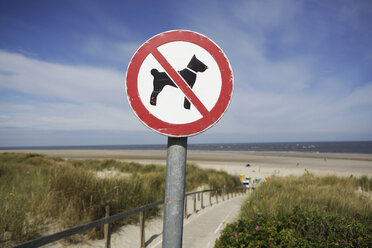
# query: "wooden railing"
(221, 192)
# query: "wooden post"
(185, 208)
(210, 198)
(106, 227)
(194, 203)
(142, 228)
(223, 193)
(202, 198)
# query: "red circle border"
(187, 129)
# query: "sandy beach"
(234, 162)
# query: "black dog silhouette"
(161, 79)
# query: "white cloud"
(254, 112)
(71, 83)
(118, 52)
(63, 97)
(265, 14)
(247, 45)
(359, 97)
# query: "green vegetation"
(306, 211)
(46, 194)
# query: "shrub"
(299, 229)
(306, 211)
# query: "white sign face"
(170, 101)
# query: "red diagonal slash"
(180, 82)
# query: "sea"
(358, 147)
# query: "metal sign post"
(174, 192)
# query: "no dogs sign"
(179, 83)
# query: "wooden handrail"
(85, 227)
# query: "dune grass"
(305, 211)
(364, 182)
(324, 195)
(46, 194)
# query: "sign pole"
(174, 192)
(154, 66)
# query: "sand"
(234, 162)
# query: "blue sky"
(302, 69)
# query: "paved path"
(202, 228)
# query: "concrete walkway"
(203, 227)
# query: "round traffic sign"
(179, 83)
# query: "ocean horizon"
(361, 147)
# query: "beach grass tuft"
(328, 194)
